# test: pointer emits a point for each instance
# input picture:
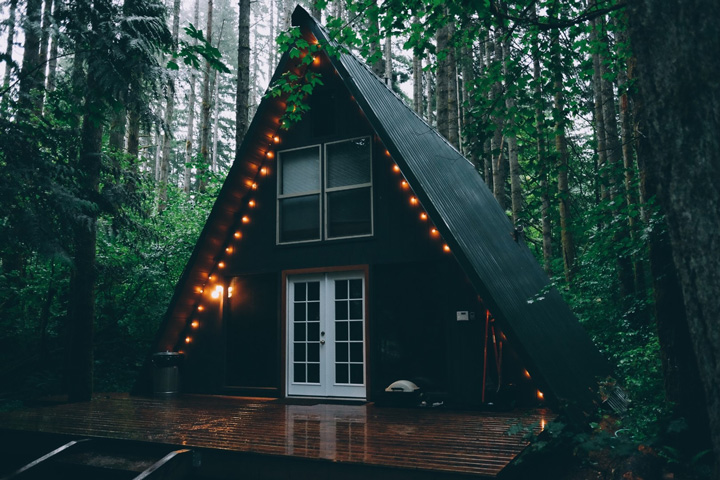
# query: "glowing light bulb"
(254, 186)
(188, 339)
(446, 248)
(200, 308)
(434, 232)
(215, 294)
(251, 204)
(245, 219)
(263, 171)
(237, 234)
(221, 265)
(276, 139)
(211, 277)
(540, 395)
(404, 184)
(387, 152)
(423, 216)
(413, 201)
(270, 154)
(229, 249)
(396, 169)
(526, 374)
(195, 324)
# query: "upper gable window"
(325, 198)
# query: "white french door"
(326, 335)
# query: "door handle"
(322, 342)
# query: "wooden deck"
(418, 441)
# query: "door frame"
(364, 270)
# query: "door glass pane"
(356, 289)
(299, 312)
(341, 289)
(299, 369)
(313, 290)
(299, 352)
(313, 373)
(299, 332)
(348, 163)
(300, 291)
(356, 352)
(300, 171)
(356, 374)
(313, 331)
(341, 373)
(348, 213)
(356, 309)
(299, 218)
(313, 313)
(341, 309)
(341, 352)
(313, 352)
(356, 331)
(341, 331)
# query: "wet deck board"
(475, 443)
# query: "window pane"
(299, 372)
(356, 374)
(299, 332)
(299, 312)
(356, 312)
(341, 373)
(300, 218)
(313, 352)
(299, 352)
(314, 291)
(341, 310)
(348, 163)
(299, 291)
(356, 331)
(341, 331)
(313, 332)
(341, 288)
(348, 213)
(300, 171)
(313, 311)
(341, 352)
(313, 373)
(356, 352)
(355, 288)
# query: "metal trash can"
(166, 373)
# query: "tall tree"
(681, 113)
(441, 77)
(191, 113)
(453, 128)
(164, 170)
(30, 73)
(243, 82)
(205, 110)
(9, 51)
(44, 47)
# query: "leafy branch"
(192, 53)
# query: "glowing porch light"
(446, 248)
(245, 219)
(195, 324)
(414, 201)
(237, 234)
(251, 204)
(396, 169)
(423, 216)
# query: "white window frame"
(323, 193)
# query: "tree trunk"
(681, 113)
(8, 52)
(598, 117)
(31, 71)
(133, 140)
(243, 82)
(116, 141)
(499, 161)
(566, 236)
(388, 61)
(205, 112)
(373, 25)
(442, 81)
(271, 50)
(452, 98)
(430, 117)
(164, 170)
(44, 47)
(511, 136)
(468, 85)
(191, 115)
(52, 61)
(417, 76)
(79, 376)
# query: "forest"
(594, 123)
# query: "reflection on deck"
(432, 440)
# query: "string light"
(254, 186)
(413, 201)
(188, 339)
(228, 249)
(195, 324)
(200, 308)
(526, 373)
(263, 171)
(211, 277)
(251, 204)
(237, 234)
(270, 154)
(446, 248)
(276, 139)
(221, 265)
(423, 216)
(434, 232)
(404, 184)
(245, 219)
(540, 395)
(396, 169)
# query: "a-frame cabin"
(359, 248)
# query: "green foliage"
(200, 48)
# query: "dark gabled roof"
(555, 347)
